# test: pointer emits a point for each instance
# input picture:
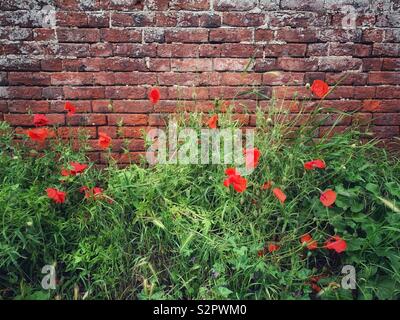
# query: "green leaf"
(373, 188)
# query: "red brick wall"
(100, 52)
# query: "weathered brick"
(182, 65)
(243, 19)
(121, 35)
(224, 35)
(227, 64)
(128, 119)
(78, 35)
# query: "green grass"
(175, 232)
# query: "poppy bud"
(308, 85)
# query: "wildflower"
(154, 95)
(104, 140)
(234, 178)
(95, 192)
(261, 252)
(328, 198)
(76, 169)
(40, 120)
(38, 134)
(310, 165)
(267, 185)
(319, 88)
(212, 122)
(273, 247)
(56, 195)
(278, 193)
(70, 108)
(336, 243)
(309, 241)
(251, 157)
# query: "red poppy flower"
(56, 195)
(154, 95)
(319, 88)
(251, 157)
(95, 193)
(336, 243)
(273, 247)
(83, 189)
(261, 253)
(104, 140)
(70, 108)
(267, 185)
(310, 165)
(76, 169)
(38, 134)
(328, 198)
(234, 178)
(278, 193)
(40, 120)
(238, 182)
(212, 122)
(231, 171)
(315, 287)
(309, 241)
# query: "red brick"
(131, 106)
(81, 106)
(202, 5)
(283, 78)
(391, 64)
(84, 92)
(297, 64)
(28, 78)
(384, 78)
(76, 132)
(173, 78)
(44, 34)
(187, 36)
(243, 19)
(387, 92)
(296, 35)
(86, 119)
(166, 19)
(182, 65)
(78, 35)
(24, 92)
(227, 64)
(121, 35)
(381, 105)
(72, 78)
(125, 92)
(71, 19)
(101, 50)
(27, 120)
(134, 19)
(210, 50)
(177, 50)
(225, 35)
(238, 79)
(386, 119)
(241, 50)
(128, 119)
(382, 132)
(279, 50)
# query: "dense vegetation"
(177, 232)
